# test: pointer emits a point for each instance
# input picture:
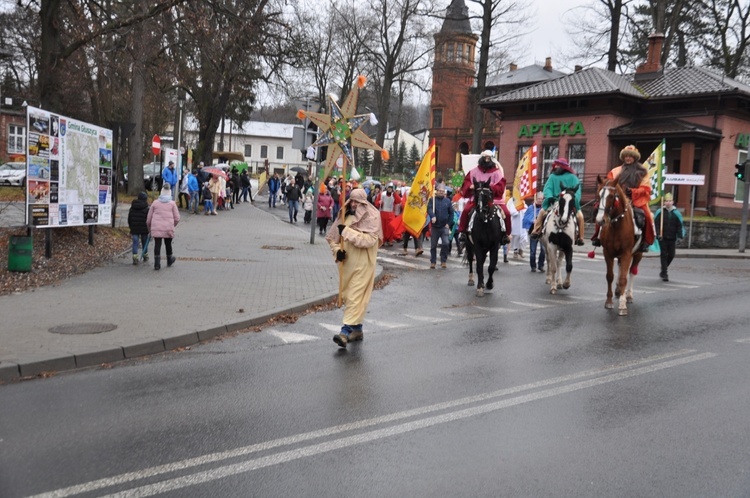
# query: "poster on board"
(68, 170)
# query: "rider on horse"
(633, 178)
(487, 169)
(564, 178)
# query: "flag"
(524, 184)
(656, 164)
(415, 210)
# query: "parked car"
(151, 177)
(13, 174)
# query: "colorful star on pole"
(342, 128)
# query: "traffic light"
(740, 173)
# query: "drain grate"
(278, 248)
(83, 328)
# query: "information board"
(68, 171)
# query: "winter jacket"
(442, 212)
(163, 217)
(169, 175)
(674, 227)
(137, 217)
(325, 206)
(293, 193)
(193, 183)
(273, 184)
(530, 215)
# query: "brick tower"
(453, 75)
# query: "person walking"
(137, 217)
(194, 191)
(170, 177)
(440, 211)
(293, 196)
(307, 204)
(273, 189)
(214, 185)
(325, 207)
(208, 204)
(671, 229)
(163, 217)
(386, 202)
(532, 212)
(184, 190)
(236, 187)
(246, 186)
(354, 240)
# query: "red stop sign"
(156, 145)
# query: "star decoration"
(342, 128)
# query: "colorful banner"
(422, 189)
(656, 164)
(524, 184)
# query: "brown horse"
(619, 239)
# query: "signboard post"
(694, 181)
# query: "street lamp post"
(180, 105)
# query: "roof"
(664, 128)
(524, 76)
(251, 128)
(594, 81)
(456, 18)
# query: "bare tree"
(725, 43)
(504, 17)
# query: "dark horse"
(619, 240)
(558, 235)
(485, 236)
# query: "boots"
(157, 262)
(145, 257)
(135, 260)
(579, 218)
(595, 239)
(170, 260)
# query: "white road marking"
(646, 288)
(743, 341)
(293, 337)
(605, 373)
(330, 327)
(401, 262)
(496, 309)
(377, 434)
(387, 325)
(681, 286)
(455, 313)
(430, 319)
(531, 305)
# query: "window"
(437, 118)
(450, 52)
(279, 152)
(16, 139)
(264, 151)
(248, 150)
(549, 154)
(577, 158)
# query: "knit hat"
(142, 196)
(166, 189)
(562, 163)
(631, 151)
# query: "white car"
(13, 174)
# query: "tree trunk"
(135, 141)
(51, 47)
(484, 57)
(614, 36)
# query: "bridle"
(607, 209)
(562, 222)
(485, 204)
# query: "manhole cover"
(277, 248)
(83, 328)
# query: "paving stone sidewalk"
(233, 271)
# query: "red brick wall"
(6, 119)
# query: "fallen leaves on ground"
(71, 255)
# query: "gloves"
(341, 229)
(340, 255)
(434, 220)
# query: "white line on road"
(332, 431)
(387, 325)
(531, 305)
(496, 309)
(330, 327)
(293, 337)
(430, 319)
(743, 341)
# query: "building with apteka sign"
(590, 115)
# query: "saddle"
(639, 218)
(498, 212)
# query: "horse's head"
(566, 204)
(483, 198)
(611, 197)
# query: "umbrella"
(298, 169)
(216, 172)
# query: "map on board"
(69, 171)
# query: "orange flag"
(524, 185)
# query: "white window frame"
(248, 150)
(578, 164)
(16, 140)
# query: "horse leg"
(552, 268)
(633, 273)
(470, 258)
(493, 266)
(622, 282)
(568, 267)
(610, 277)
(558, 276)
(480, 273)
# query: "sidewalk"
(233, 271)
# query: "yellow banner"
(415, 211)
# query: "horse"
(620, 240)
(485, 236)
(558, 234)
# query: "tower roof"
(456, 18)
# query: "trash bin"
(19, 253)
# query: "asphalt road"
(519, 393)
